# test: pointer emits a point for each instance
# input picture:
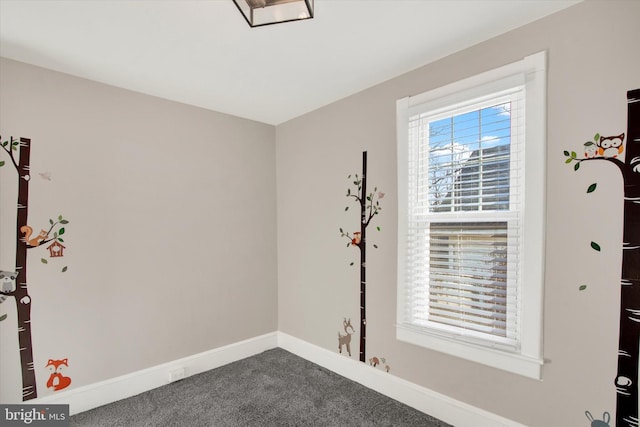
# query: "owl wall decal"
(590, 150)
(610, 146)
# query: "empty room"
(320, 212)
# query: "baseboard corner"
(445, 408)
(111, 390)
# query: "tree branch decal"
(19, 152)
(369, 204)
(607, 149)
(598, 154)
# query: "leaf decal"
(592, 188)
(44, 261)
(61, 231)
(595, 246)
(64, 268)
(582, 287)
(577, 166)
(4, 316)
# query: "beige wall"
(171, 245)
(593, 60)
(172, 234)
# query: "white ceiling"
(203, 53)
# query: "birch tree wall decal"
(24, 242)
(369, 204)
(608, 149)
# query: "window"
(471, 159)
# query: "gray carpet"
(274, 388)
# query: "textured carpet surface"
(274, 388)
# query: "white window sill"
(520, 364)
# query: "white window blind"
(471, 207)
(464, 214)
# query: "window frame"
(527, 358)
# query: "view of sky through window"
(469, 160)
(477, 129)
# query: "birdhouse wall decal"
(56, 249)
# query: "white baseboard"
(438, 405)
(91, 396)
(435, 404)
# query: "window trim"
(528, 359)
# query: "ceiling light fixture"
(265, 12)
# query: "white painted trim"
(495, 357)
(528, 359)
(423, 399)
(435, 404)
(93, 395)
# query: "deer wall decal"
(346, 339)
